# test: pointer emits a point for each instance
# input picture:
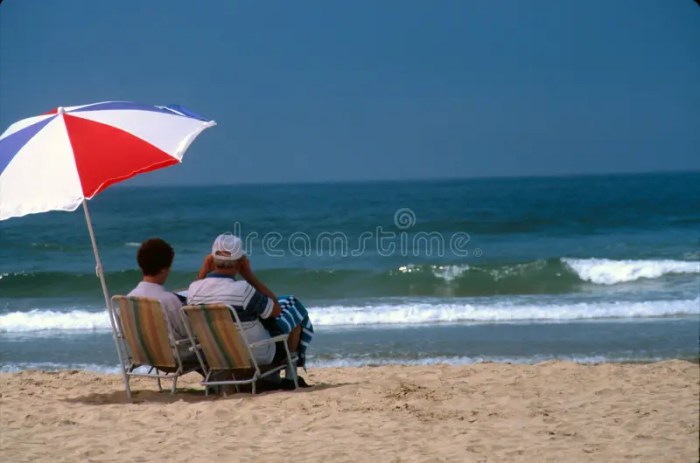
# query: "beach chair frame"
(227, 356)
(157, 350)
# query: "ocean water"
(589, 269)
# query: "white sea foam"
(610, 272)
(515, 270)
(417, 313)
(388, 314)
(45, 320)
(461, 360)
(449, 272)
(54, 366)
(444, 272)
(356, 362)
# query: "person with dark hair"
(155, 257)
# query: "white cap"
(228, 242)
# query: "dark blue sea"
(588, 269)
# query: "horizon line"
(416, 180)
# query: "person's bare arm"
(247, 273)
(207, 266)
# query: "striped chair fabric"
(145, 330)
(218, 335)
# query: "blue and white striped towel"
(293, 314)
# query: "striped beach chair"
(149, 341)
(228, 354)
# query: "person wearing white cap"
(251, 298)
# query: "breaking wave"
(387, 314)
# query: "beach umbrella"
(58, 160)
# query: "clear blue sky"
(361, 90)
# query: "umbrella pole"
(108, 301)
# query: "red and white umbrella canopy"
(57, 160)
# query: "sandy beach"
(554, 411)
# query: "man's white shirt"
(170, 303)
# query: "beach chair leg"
(125, 373)
(206, 380)
(292, 367)
(174, 388)
(233, 377)
(128, 388)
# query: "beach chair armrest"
(264, 342)
(195, 347)
(180, 342)
(191, 347)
